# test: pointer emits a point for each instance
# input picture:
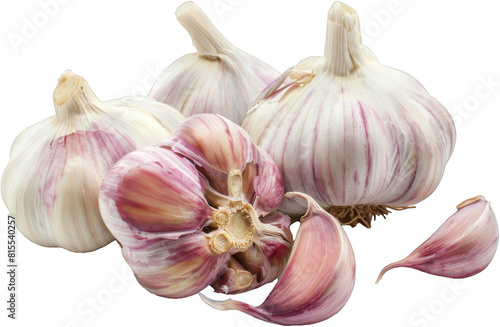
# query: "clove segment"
(462, 247)
(317, 280)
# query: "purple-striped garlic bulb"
(317, 280)
(51, 184)
(462, 247)
(359, 137)
(219, 78)
(197, 209)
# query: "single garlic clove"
(52, 182)
(361, 138)
(143, 200)
(462, 247)
(261, 263)
(317, 280)
(183, 209)
(219, 78)
(175, 268)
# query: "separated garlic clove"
(197, 209)
(359, 137)
(218, 79)
(317, 280)
(52, 182)
(462, 247)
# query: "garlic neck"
(343, 48)
(73, 97)
(206, 38)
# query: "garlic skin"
(198, 209)
(219, 78)
(359, 137)
(317, 280)
(462, 247)
(51, 184)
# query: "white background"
(451, 47)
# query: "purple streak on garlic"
(462, 247)
(219, 78)
(52, 182)
(359, 137)
(197, 209)
(317, 280)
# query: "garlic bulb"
(52, 182)
(218, 79)
(197, 209)
(462, 247)
(317, 280)
(358, 137)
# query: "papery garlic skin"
(359, 137)
(462, 247)
(197, 209)
(317, 280)
(219, 78)
(51, 184)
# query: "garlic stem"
(206, 38)
(73, 96)
(343, 48)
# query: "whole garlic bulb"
(218, 79)
(51, 184)
(197, 209)
(359, 137)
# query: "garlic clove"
(462, 247)
(153, 204)
(218, 79)
(175, 268)
(181, 212)
(361, 138)
(317, 280)
(51, 184)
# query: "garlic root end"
(362, 213)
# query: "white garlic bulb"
(359, 137)
(218, 79)
(51, 184)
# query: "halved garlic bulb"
(51, 184)
(359, 137)
(219, 78)
(317, 280)
(462, 247)
(198, 209)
